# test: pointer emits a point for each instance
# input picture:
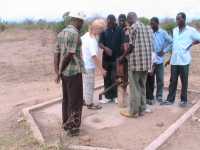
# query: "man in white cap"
(69, 67)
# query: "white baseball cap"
(79, 15)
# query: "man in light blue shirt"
(162, 44)
(184, 37)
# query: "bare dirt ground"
(187, 137)
(26, 78)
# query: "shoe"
(166, 103)
(159, 99)
(148, 110)
(74, 132)
(150, 101)
(116, 100)
(128, 115)
(94, 107)
(183, 104)
(65, 128)
(84, 104)
(105, 101)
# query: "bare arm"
(56, 62)
(67, 58)
(107, 50)
(98, 64)
(125, 52)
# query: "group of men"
(139, 49)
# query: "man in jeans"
(162, 44)
(184, 37)
(139, 63)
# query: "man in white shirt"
(90, 50)
(184, 37)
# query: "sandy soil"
(26, 78)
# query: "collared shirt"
(182, 41)
(141, 37)
(113, 39)
(89, 49)
(162, 42)
(69, 42)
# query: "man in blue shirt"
(162, 43)
(184, 37)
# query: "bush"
(144, 20)
(59, 26)
(3, 25)
(168, 24)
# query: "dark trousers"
(137, 98)
(150, 86)
(72, 101)
(110, 79)
(183, 72)
(158, 73)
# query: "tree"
(168, 24)
(144, 20)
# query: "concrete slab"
(106, 128)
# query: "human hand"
(104, 72)
(57, 78)
(161, 53)
(167, 63)
(120, 60)
(108, 51)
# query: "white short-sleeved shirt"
(89, 49)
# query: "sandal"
(94, 107)
(74, 132)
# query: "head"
(181, 19)
(154, 23)
(122, 20)
(132, 18)
(78, 23)
(97, 26)
(111, 21)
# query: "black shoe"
(65, 128)
(150, 102)
(159, 99)
(166, 103)
(74, 132)
(183, 104)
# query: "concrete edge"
(34, 128)
(77, 147)
(30, 120)
(33, 125)
(160, 140)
